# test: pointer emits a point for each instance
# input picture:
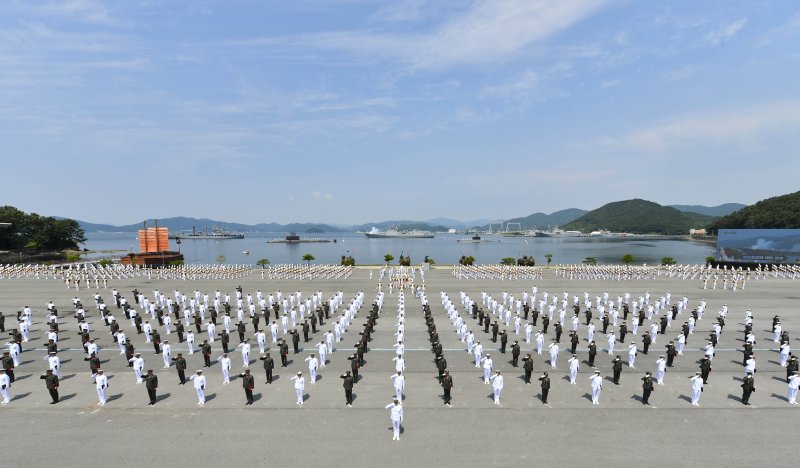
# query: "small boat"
(293, 238)
(476, 238)
(246, 252)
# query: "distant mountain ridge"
(719, 210)
(639, 217)
(781, 212)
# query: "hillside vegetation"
(782, 212)
(639, 217)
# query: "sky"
(355, 111)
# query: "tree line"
(35, 232)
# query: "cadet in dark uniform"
(503, 341)
(8, 365)
(284, 352)
(206, 350)
(573, 340)
(616, 364)
(748, 387)
(545, 380)
(179, 330)
(515, 353)
(348, 388)
(671, 353)
(447, 386)
(623, 330)
(647, 388)
(306, 329)
(151, 384)
(559, 329)
(527, 366)
(240, 327)
(495, 331)
(592, 353)
(545, 323)
(441, 366)
(180, 365)
(355, 364)
(94, 363)
(295, 341)
(269, 364)
(156, 337)
(226, 339)
(248, 383)
(705, 368)
(51, 382)
(646, 340)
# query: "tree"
(709, 260)
(549, 258)
(508, 261)
(308, 258)
(263, 262)
(628, 259)
(348, 261)
(590, 261)
(467, 260)
(176, 262)
(388, 258)
(668, 261)
(38, 232)
(221, 259)
(105, 262)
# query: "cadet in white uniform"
(574, 367)
(54, 362)
(794, 385)
(661, 368)
(553, 354)
(138, 366)
(225, 366)
(399, 382)
(597, 386)
(200, 387)
(497, 386)
(245, 353)
(487, 368)
(313, 365)
(632, 354)
(101, 383)
(166, 353)
(697, 388)
(5, 387)
(299, 387)
(396, 416)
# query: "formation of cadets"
(530, 320)
(307, 272)
(501, 272)
(201, 321)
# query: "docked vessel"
(217, 232)
(476, 238)
(395, 232)
(293, 238)
(558, 233)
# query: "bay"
(443, 248)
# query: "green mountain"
(781, 212)
(719, 210)
(639, 217)
(542, 220)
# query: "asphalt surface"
(570, 430)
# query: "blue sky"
(349, 111)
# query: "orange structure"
(154, 239)
(153, 249)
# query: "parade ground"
(274, 431)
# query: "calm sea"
(443, 248)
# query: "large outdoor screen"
(758, 245)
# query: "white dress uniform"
(553, 354)
(55, 364)
(399, 382)
(245, 354)
(632, 350)
(661, 368)
(794, 385)
(597, 386)
(322, 349)
(477, 351)
(574, 367)
(299, 387)
(225, 366)
(200, 387)
(396, 416)
(101, 383)
(313, 365)
(497, 387)
(487, 368)
(399, 364)
(5, 388)
(138, 367)
(166, 354)
(697, 389)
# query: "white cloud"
(724, 33)
(87, 11)
(726, 126)
(321, 195)
(489, 31)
